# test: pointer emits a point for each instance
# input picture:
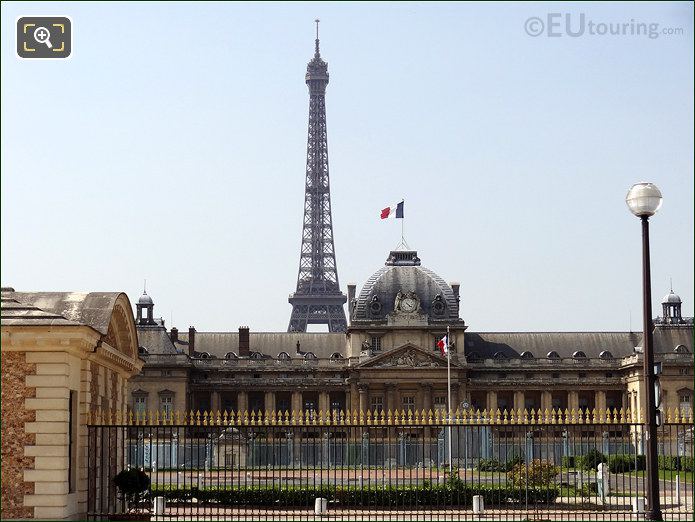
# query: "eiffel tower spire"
(318, 299)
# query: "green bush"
(589, 489)
(434, 495)
(491, 465)
(623, 463)
(537, 473)
(514, 461)
(590, 460)
(675, 463)
(568, 461)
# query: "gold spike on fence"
(431, 417)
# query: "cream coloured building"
(388, 359)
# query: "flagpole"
(448, 386)
(403, 226)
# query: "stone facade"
(388, 359)
(15, 416)
(58, 365)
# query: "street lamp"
(644, 200)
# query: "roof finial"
(144, 289)
(317, 53)
(671, 279)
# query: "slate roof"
(619, 344)
(156, 340)
(58, 309)
(323, 345)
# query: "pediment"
(407, 356)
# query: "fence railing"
(385, 466)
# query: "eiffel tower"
(318, 299)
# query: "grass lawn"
(664, 474)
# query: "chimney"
(191, 341)
(351, 296)
(244, 343)
(455, 287)
(174, 334)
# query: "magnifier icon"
(43, 35)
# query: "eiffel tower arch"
(317, 299)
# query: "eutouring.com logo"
(577, 25)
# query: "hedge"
(432, 495)
(675, 463)
(496, 465)
(622, 463)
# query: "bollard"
(320, 506)
(478, 505)
(678, 490)
(638, 504)
(159, 505)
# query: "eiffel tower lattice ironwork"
(318, 299)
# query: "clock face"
(408, 305)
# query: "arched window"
(205, 355)
(284, 356)
(605, 354)
(309, 355)
(231, 355)
(553, 355)
(336, 355)
(579, 355)
(256, 355)
(527, 355)
(681, 348)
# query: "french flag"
(393, 212)
(443, 345)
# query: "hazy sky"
(171, 146)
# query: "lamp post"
(644, 200)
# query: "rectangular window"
(72, 442)
(685, 404)
(139, 405)
(376, 403)
(166, 404)
(408, 402)
(683, 371)
(376, 344)
(440, 402)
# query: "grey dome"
(671, 298)
(145, 300)
(403, 273)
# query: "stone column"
(215, 401)
(462, 397)
(324, 402)
(426, 392)
(454, 397)
(297, 405)
(354, 403)
(270, 401)
(546, 401)
(518, 400)
(600, 401)
(242, 401)
(390, 397)
(364, 397)
(491, 401)
(573, 400)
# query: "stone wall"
(14, 437)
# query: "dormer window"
(231, 355)
(284, 356)
(336, 355)
(142, 350)
(553, 355)
(256, 355)
(309, 356)
(527, 355)
(681, 348)
(499, 356)
(579, 355)
(605, 354)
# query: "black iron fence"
(516, 466)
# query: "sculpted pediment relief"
(406, 357)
